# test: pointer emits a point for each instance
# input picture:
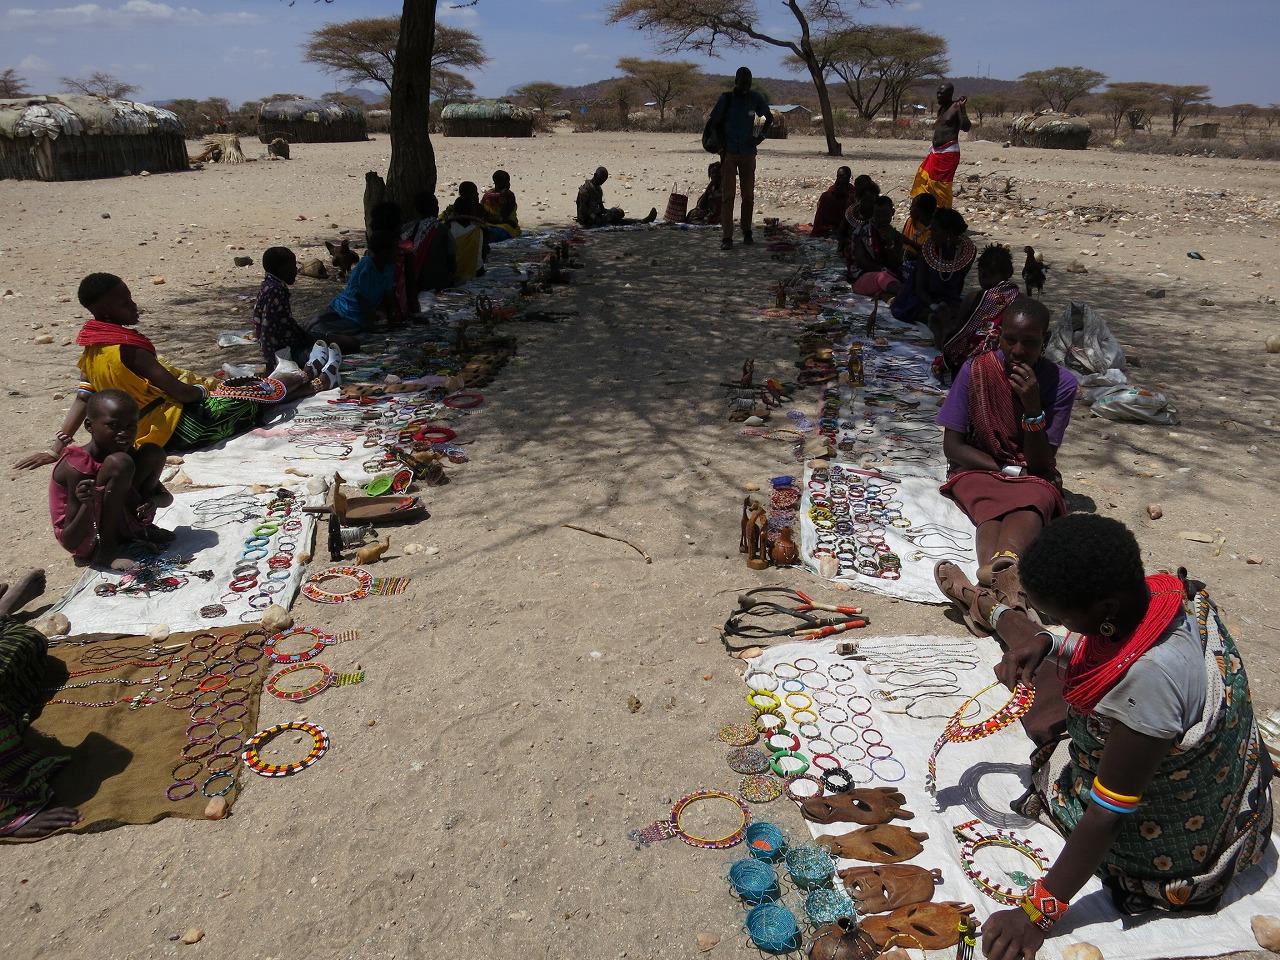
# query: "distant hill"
(368, 96)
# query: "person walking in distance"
(938, 169)
(734, 118)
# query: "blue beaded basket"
(773, 928)
(764, 832)
(810, 866)
(754, 881)
(826, 905)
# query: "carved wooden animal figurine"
(864, 805)
(930, 926)
(877, 889)
(373, 552)
(883, 843)
(758, 539)
(747, 505)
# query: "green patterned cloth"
(213, 420)
(24, 774)
(1206, 815)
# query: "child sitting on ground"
(919, 221)
(370, 288)
(278, 333)
(106, 494)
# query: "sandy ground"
(482, 780)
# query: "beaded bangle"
(218, 748)
(805, 664)
(845, 752)
(217, 763)
(862, 721)
(197, 711)
(779, 667)
(775, 763)
(902, 770)
(213, 727)
(214, 681)
(213, 642)
(859, 699)
(796, 795)
(1042, 907)
(232, 706)
(843, 730)
(199, 754)
(305, 693)
(820, 744)
(825, 761)
(760, 680)
(825, 698)
(825, 714)
(228, 775)
(867, 739)
(193, 774)
(803, 716)
(789, 740)
(837, 780)
(763, 700)
(888, 751)
(243, 671)
(189, 785)
(814, 680)
(793, 686)
(252, 760)
(971, 843)
(810, 731)
(845, 668)
(772, 713)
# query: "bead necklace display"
(850, 514)
(253, 760)
(971, 842)
(359, 579)
(958, 731)
(672, 827)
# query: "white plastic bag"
(1095, 386)
(1080, 339)
(1133, 404)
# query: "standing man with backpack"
(731, 132)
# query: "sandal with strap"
(953, 583)
(1000, 561)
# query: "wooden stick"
(609, 536)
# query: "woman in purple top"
(1004, 419)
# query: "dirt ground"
(482, 780)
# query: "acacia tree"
(12, 85)
(99, 84)
(364, 50)
(1182, 100)
(879, 64)
(450, 87)
(709, 24)
(1060, 86)
(664, 79)
(541, 93)
(1127, 101)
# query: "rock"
(1273, 343)
(193, 935)
(828, 567)
(106, 216)
(1206, 302)
(121, 564)
(54, 625)
(304, 556)
(314, 269)
(1082, 951)
(147, 173)
(243, 261)
(1253, 559)
(1075, 266)
(159, 633)
(174, 460)
(753, 421)
(1156, 293)
(751, 487)
(1195, 536)
(276, 618)
(1266, 930)
(157, 281)
(43, 338)
(216, 809)
(707, 941)
(633, 703)
(431, 551)
(411, 548)
(1154, 511)
(750, 653)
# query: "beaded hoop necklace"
(313, 591)
(971, 843)
(963, 257)
(957, 731)
(319, 744)
(671, 827)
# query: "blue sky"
(242, 49)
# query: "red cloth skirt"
(987, 495)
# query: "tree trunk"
(824, 104)
(413, 159)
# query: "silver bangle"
(996, 613)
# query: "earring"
(1107, 629)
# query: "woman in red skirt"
(1004, 420)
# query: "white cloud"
(452, 13)
(132, 13)
(581, 48)
(913, 6)
(33, 64)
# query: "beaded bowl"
(810, 866)
(772, 927)
(765, 841)
(754, 881)
(826, 905)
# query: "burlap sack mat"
(122, 759)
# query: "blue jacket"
(735, 115)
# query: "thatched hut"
(379, 121)
(1054, 131)
(487, 118)
(310, 121)
(72, 137)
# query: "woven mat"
(122, 759)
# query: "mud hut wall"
(71, 157)
(313, 131)
(470, 127)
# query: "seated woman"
(430, 248)
(832, 204)
(466, 219)
(1004, 419)
(500, 209)
(863, 186)
(26, 674)
(937, 283)
(976, 325)
(915, 232)
(707, 209)
(370, 289)
(875, 250)
(176, 410)
(1161, 786)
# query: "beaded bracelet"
(313, 591)
(763, 699)
(806, 705)
(193, 774)
(775, 763)
(971, 843)
(793, 686)
(825, 698)
(803, 716)
(826, 713)
(860, 699)
(305, 693)
(190, 790)
(814, 680)
(228, 775)
(837, 780)
(772, 713)
(810, 731)
(789, 741)
(779, 667)
(845, 752)
(213, 727)
(825, 761)
(794, 782)
(902, 770)
(805, 664)
(760, 680)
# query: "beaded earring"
(1107, 629)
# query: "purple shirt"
(1058, 387)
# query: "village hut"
(72, 137)
(379, 121)
(487, 118)
(1054, 131)
(310, 121)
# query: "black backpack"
(713, 134)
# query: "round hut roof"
(316, 111)
(486, 110)
(78, 116)
(1047, 123)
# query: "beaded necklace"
(957, 731)
(971, 843)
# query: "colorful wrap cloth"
(937, 171)
(24, 774)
